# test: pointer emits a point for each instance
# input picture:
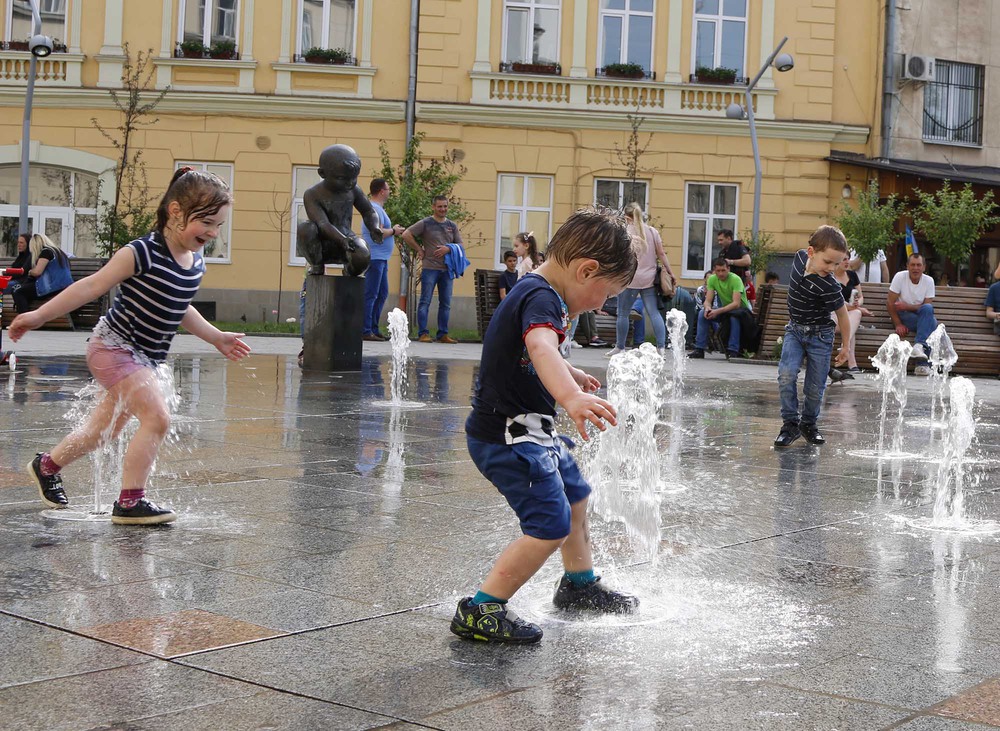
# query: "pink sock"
(48, 466)
(128, 498)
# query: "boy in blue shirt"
(813, 293)
(508, 277)
(511, 430)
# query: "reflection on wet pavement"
(324, 538)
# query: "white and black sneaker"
(50, 487)
(143, 512)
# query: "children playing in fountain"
(511, 430)
(813, 293)
(158, 276)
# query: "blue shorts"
(539, 483)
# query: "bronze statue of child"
(327, 238)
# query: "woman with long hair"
(49, 272)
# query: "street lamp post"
(40, 46)
(783, 62)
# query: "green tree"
(871, 225)
(762, 251)
(953, 220)
(130, 214)
(414, 183)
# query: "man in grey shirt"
(435, 233)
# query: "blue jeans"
(428, 279)
(814, 345)
(649, 304)
(701, 339)
(922, 322)
(376, 293)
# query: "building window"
(62, 204)
(627, 33)
(953, 104)
(720, 35)
(709, 208)
(618, 193)
(524, 203)
(303, 178)
(19, 21)
(531, 31)
(218, 249)
(208, 21)
(327, 24)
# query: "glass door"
(9, 225)
(55, 225)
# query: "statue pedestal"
(334, 321)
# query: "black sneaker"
(143, 512)
(811, 434)
(696, 353)
(492, 622)
(730, 354)
(594, 597)
(49, 486)
(788, 434)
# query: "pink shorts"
(109, 365)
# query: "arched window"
(62, 204)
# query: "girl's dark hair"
(529, 240)
(600, 234)
(198, 194)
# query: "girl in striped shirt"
(158, 276)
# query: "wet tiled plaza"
(324, 539)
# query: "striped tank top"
(151, 303)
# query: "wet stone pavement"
(324, 539)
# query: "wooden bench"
(488, 299)
(960, 309)
(84, 317)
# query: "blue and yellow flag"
(911, 243)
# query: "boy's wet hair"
(828, 237)
(199, 194)
(600, 234)
(507, 255)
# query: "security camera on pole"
(783, 62)
(40, 47)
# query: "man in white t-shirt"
(875, 271)
(910, 306)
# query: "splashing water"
(942, 357)
(949, 506)
(625, 470)
(399, 336)
(891, 360)
(108, 459)
(677, 327)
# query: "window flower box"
(191, 49)
(223, 50)
(339, 56)
(524, 67)
(624, 71)
(719, 75)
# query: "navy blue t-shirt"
(993, 297)
(507, 280)
(510, 404)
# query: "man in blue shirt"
(377, 276)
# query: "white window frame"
(325, 34)
(622, 182)
(203, 167)
(709, 218)
(718, 18)
(206, 29)
(531, 6)
(9, 22)
(624, 15)
(294, 205)
(522, 210)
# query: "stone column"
(334, 320)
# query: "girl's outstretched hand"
(23, 323)
(230, 345)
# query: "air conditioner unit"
(918, 68)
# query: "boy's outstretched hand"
(583, 407)
(584, 380)
(230, 345)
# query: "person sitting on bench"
(48, 275)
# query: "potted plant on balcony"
(16, 46)
(327, 55)
(192, 49)
(718, 75)
(59, 47)
(529, 67)
(625, 71)
(225, 49)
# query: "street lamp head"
(735, 111)
(41, 46)
(784, 62)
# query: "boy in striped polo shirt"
(813, 293)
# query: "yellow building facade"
(521, 92)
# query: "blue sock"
(581, 578)
(482, 597)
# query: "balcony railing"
(57, 69)
(614, 94)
